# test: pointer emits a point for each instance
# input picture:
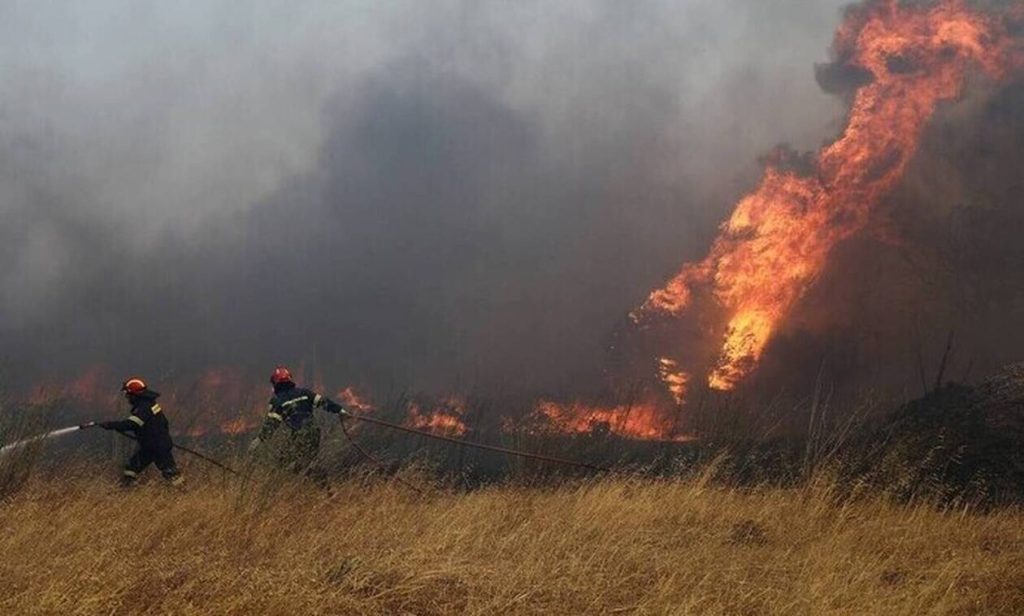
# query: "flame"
(221, 386)
(778, 239)
(642, 421)
(445, 418)
(230, 427)
(199, 404)
(350, 399)
(222, 400)
(675, 380)
(94, 386)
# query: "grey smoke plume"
(407, 193)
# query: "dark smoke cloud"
(470, 193)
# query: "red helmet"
(134, 385)
(281, 375)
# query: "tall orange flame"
(778, 239)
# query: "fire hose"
(355, 445)
(465, 443)
(369, 456)
(193, 452)
(93, 424)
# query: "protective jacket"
(153, 432)
(293, 406)
(147, 422)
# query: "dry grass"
(80, 546)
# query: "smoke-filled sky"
(406, 193)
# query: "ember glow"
(238, 426)
(635, 421)
(778, 239)
(92, 386)
(231, 427)
(898, 61)
(351, 400)
(221, 385)
(445, 418)
(675, 380)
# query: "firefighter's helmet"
(133, 386)
(281, 375)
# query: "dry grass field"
(612, 546)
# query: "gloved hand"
(255, 444)
(334, 407)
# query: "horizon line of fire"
(445, 415)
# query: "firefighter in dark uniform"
(150, 427)
(293, 406)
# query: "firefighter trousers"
(143, 457)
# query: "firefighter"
(150, 427)
(293, 406)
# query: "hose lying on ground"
(366, 454)
(465, 443)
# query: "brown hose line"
(448, 439)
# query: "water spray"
(41, 437)
(92, 424)
(379, 422)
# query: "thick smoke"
(465, 193)
(418, 195)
